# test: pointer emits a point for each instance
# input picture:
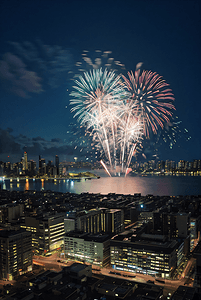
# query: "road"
(51, 262)
(55, 263)
(191, 263)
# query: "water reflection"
(172, 186)
(26, 188)
(42, 182)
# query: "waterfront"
(155, 185)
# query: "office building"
(114, 220)
(47, 232)
(98, 220)
(42, 166)
(32, 167)
(11, 212)
(182, 224)
(57, 164)
(175, 225)
(15, 253)
(88, 248)
(69, 225)
(151, 255)
(195, 228)
(92, 221)
(25, 161)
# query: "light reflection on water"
(172, 186)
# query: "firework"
(151, 98)
(118, 111)
(105, 167)
(97, 100)
(172, 133)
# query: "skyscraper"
(15, 253)
(57, 163)
(25, 161)
(40, 165)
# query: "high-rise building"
(182, 223)
(15, 253)
(49, 168)
(69, 225)
(100, 220)
(25, 161)
(47, 232)
(195, 227)
(172, 165)
(114, 220)
(11, 212)
(181, 165)
(57, 161)
(54, 171)
(32, 167)
(40, 166)
(175, 225)
(156, 222)
(57, 164)
(165, 223)
(161, 166)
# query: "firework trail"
(97, 100)
(131, 131)
(105, 167)
(172, 133)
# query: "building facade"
(47, 232)
(156, 258)
(15, 253)
(97, 220)
(11, 212)
(87, 248)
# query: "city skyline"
(55, 158)
(60, 169)
(38, 62)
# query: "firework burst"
(118, 111)
(151, 98)
(97, 100)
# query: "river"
(155, 185)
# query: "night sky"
(41, 41)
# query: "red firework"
(150, 98)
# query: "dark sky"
(42, 40)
